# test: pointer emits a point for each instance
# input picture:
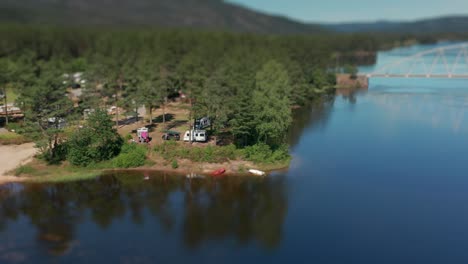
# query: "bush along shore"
(170, 156)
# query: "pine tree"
(47, 108)
(271, 104)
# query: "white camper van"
(197, 136)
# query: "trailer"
(195, 136)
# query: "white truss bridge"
(443, 62)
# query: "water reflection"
(316, 114)
(243, 209)
(426, 106)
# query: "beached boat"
(218, 172)
(195, 176)
(257, 172)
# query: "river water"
(378, 176)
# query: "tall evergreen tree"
(47, 107)
(271, 104)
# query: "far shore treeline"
(247, 84)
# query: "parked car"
(171, 135)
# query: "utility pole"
(4, 95)
(164, 111)
(120, 84)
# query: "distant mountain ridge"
(204, 14)
(452, 24)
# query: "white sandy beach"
(12, 156)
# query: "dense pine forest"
(247, 84)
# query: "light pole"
(4, 97)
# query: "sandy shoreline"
(13, 156)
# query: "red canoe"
(218, 172)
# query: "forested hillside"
(199, 14)
(205, 14)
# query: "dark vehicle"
(202, 123)
(171, 135)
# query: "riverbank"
(346, 81)
(175, 157)
(169, 157)
(38, 171)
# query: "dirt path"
(12, 156)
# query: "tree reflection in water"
(246, 209)
(314, 115)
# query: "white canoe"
(257, 172)
(195, 176)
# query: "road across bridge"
(435, 76)
(447, 62)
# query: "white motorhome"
(196, 135)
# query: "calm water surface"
(378, 176)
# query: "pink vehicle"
(143, 135)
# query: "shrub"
(132, 156)
(174, 164)
(229, 152)
(280, 154)
(262, 153)
(17, 127)
(258, 153)
(97, 141)
(57, 154)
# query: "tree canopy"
(96, 141)
(245, 83)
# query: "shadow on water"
(243, 209)
(314, 115)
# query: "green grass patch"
(172, 150)
(71, 177)
(259, 154)
(9, 138)
(24, 170)
(278, 165)
(37, 171)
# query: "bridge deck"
(436, 76)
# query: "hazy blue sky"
(358, 10)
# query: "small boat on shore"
(257, 172)
(218, 172)
(195, 176)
